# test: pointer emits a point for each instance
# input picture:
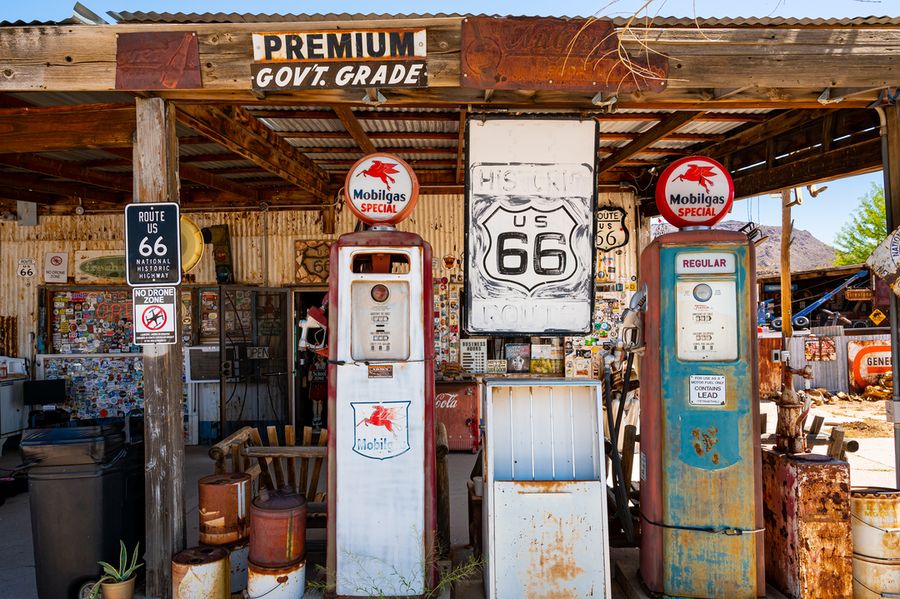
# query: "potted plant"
(118, 583)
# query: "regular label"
(707, 390)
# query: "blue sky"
(822, 216)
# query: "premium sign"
(382, 58)
(381, 189)
(530, 200)
(694, 191)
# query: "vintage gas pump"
(381, 498)
(701, 504)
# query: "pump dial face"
(703, 292)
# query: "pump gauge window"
(703, 292)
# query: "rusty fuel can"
(277, 583)
(875, 519)
(201, 573)
(277, 529)
(224, 501)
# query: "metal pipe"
(895, 338)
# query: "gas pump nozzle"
(315, 319)
(632, 329)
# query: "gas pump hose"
(732, 532)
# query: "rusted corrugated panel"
(440, 221)
(807, 515)
(416, 126)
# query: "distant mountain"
(807, 252)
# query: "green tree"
(865, 230)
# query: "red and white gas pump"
(381, 486)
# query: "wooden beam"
(460, 146)
(25, 130)
(812, 168)
(42, 184)
(68, 170)
(773, 127)
(239, 131)
(361, 115)
(355, 129)
(344, 135)
(156, 180)
(644, 140)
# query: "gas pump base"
(809, 549)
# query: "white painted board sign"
(530, 226)
(707, 390)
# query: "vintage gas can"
(201, 573)
(223, 508)
(277, 529)
(277, 583)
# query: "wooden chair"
(274, 466)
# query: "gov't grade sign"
(382, 58)
(694, 192)
(381, 189)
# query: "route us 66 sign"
(530, 198)
(26, 267)
(611, 230)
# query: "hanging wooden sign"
(380, 58)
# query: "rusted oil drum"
(201, 573)
(224, 501)
(277, 529)
(875, 519)
(238, 557)
(277, 583)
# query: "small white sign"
(689, 263)
(154, 315)
(56, 267)
(26, 267)
(707, 390)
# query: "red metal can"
(278, 529)
(224, 501)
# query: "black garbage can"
(86, 491)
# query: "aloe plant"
(124, 572)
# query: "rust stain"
(544, 486)
(706, 440)
(553, 560)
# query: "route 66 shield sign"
(611, 230)
(381, 429)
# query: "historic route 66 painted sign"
(381, 429)
(530, 194)
(611, 230)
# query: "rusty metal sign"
(611, 230)
(157, 60)
(554, 54)
(380, 58)
(311, 261)
(885, 261)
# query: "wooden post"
(789, 428)
(156, 180)
(442, 474)
(890, 157)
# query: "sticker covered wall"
(530, 198)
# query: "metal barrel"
(278, 529)
(201, 573)
(224, 500)
(875, 520)
(277, 583)
(239, 557)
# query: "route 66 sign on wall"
(611, 230)
(311, 260)
(530, 197)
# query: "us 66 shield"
(153, 244)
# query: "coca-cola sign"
(446, 401)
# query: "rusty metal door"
(545, 488)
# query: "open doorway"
(310, 367)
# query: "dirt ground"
(868, 418)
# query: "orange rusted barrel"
(201, 573)
(875, 518)
(224, 500)
(278, 529)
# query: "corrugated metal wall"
(439, 219)
(833, 375)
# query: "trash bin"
(86, 488)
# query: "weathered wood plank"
(68, 170)
(25, 130)
(236, 129)
(296, 451)
(655, 133)
(355, 129)
(775, 126)
(89, 193)
(156, 180)
(442, 478)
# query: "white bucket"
(875, 578)
(239, 557)
(875, 518)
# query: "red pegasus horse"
(381, 416)
(381, 170)
(699, 174)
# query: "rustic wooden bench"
(275, 466)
